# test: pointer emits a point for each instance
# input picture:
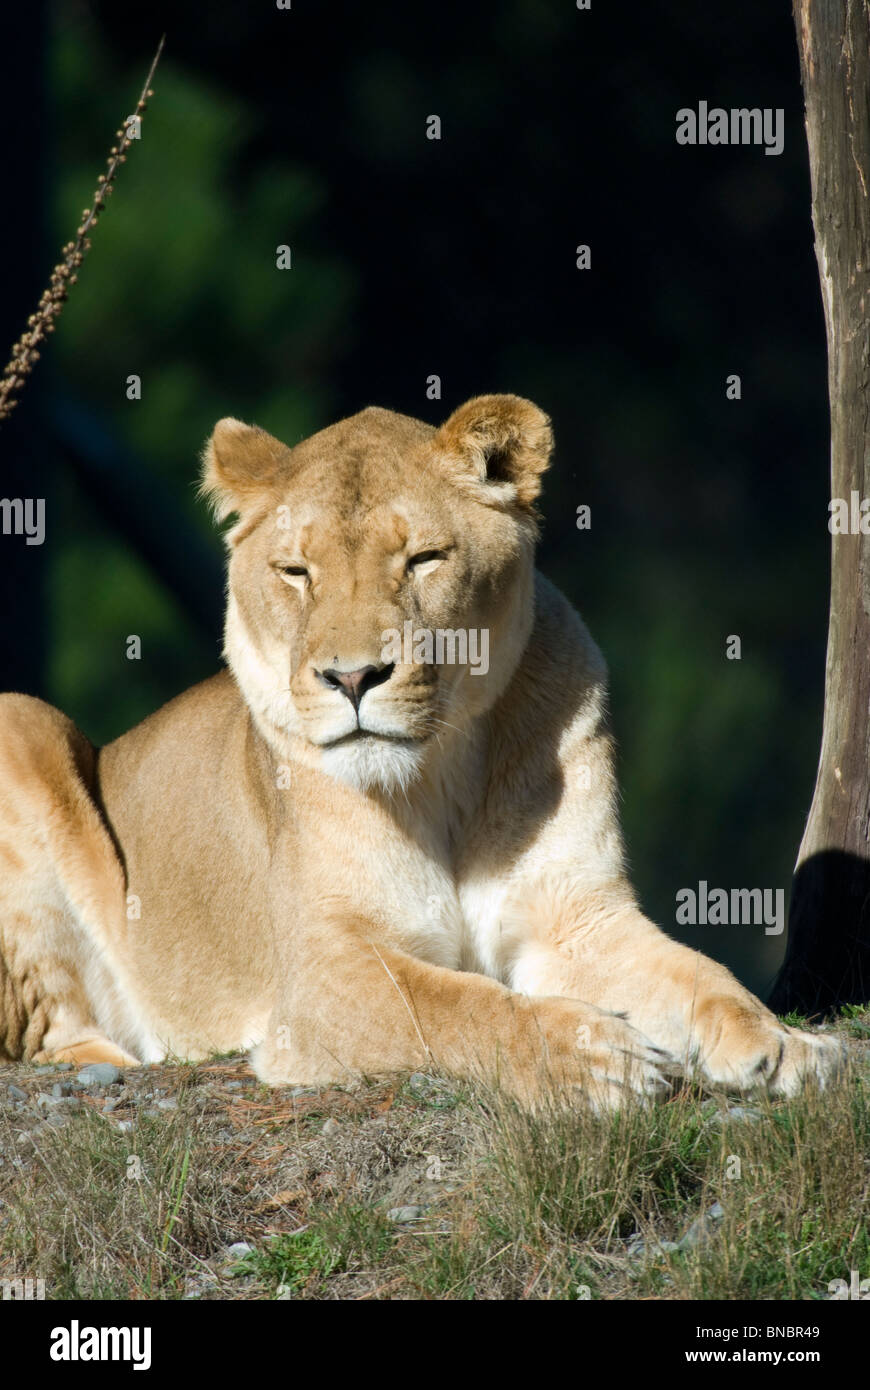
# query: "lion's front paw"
(807, 1055)
(748, 1048)
(617, 1062)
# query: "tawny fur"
(248, 868)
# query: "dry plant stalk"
(25, 353)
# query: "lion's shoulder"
(561, 647)
(189, 733)
(555, 707)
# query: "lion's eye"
(293, 574)
(426, 558)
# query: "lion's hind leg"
(96, 1049)
(61, 890)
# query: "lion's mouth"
(361, 735)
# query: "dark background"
(307, 127)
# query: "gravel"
(99, 1074)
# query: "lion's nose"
(354, 684)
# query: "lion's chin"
(370, 763)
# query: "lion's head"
(380, 577)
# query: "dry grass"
(555, 1205)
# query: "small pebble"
(330, 1128)
(702, 1228)
(410, 1213)
(639, 1248)
(56, 1119)
(16, 1093)
(239, 1250)
(170, 1103)
(99, 1074)
(735, 1112)
(420, 1083)
(429, 1088)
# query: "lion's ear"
(504, 441)
(239, 463)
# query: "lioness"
(350, 863)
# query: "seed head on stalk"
(25, 353)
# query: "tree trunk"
(828, 955)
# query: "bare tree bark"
(828, 955)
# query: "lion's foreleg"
(352, 1005)
(597, 945)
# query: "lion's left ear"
(504, 441)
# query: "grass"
(113, 1215)
(504, 1204)
(344, 1238)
